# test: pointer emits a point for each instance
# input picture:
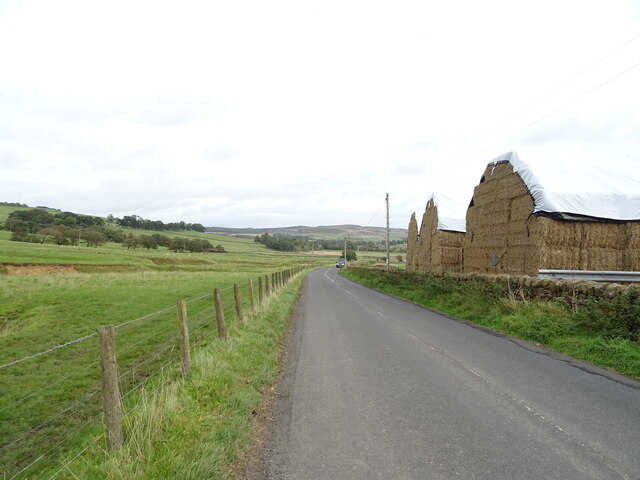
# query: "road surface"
(378, 388)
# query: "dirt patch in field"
(38, 269)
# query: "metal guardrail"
(593, 275)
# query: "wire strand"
(52, 349)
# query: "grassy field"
(588, 334)
(49, 404)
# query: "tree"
(20, 233)
(147, 241)
(57, 234)
(93, 238)
(161, 240)
(178, 244)
(351, 255)
(34, 219)
(131, 242)
(113, 234)
(199, 245)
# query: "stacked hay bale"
(437, 246)
(514, 227)
(412, 241)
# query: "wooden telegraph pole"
(345, 251)
(387, 200)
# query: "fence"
(51, 416)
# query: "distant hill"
(326, 232)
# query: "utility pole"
(345, 251)
(387, 232)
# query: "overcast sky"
(276, 113)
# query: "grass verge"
(552, 324)
(201, 427)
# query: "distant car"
(340, 263)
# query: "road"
(378, 388)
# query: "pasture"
(53, 299)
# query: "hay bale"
(434, 250)
(412, 243)
(499, 226)
(503, 235)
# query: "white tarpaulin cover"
(606, 188)
(451, 213)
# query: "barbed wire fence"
(50, 416)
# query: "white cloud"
(255, 113)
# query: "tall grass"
(601, 332)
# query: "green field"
(49, 404)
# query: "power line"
(374, 215)
(543, 117)
(579, 97)
(546, 95)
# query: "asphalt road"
(378, 388)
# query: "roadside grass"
(201, 427)
(552, 324)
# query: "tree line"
(175, 244)
(135, 221)
(286, 243)
(38, 225)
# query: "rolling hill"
(325, 232)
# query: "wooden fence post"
(185, 350)
(266, 285)
(238, 298)
(222, 328)
(110, 388)
(252, 303)
(260, 292)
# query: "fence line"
(57, 415)
(31, 394)
(86, 337)
(128, 393)
(57, 347)
(87, 423)
(144, 317)
(130, 347)
(196, 299)
(75, 457)
(203, 318)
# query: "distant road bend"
(378, 388)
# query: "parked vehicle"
(340, 263)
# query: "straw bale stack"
(412, 240)
(430, 249)
(503, 236)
